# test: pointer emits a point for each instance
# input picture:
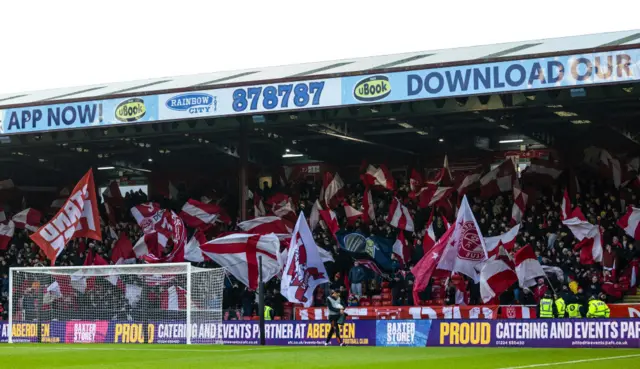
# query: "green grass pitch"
(35, 356)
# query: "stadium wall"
(610, 333)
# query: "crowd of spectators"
(541, 228)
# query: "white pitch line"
(137, 349)
(572, 362)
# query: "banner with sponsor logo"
(497, 77)
(585, 333)
(405, 312)
(300, 95)
(590, 333)
(278, 333)
(84, 114)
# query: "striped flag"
(399, 216)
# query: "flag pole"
(261, 300)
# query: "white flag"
(467, 249)
(304, 270)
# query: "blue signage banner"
(498, 77)
(256, 99)
(86, 114)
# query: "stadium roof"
(335, 68)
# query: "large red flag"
(78, 217)
(423, 270)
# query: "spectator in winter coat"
(357, 276)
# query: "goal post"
(137, 303)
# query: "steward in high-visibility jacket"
(268, 312)
(561, 306)
(598, 308)
(547, 308)
(574, 311)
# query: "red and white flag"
(443, 176)
(352, 214)
(432, 195)
(496, 276)
(28, 219)
(239, 252)
(401, 249)
(147, 215)
(506, 240)
(429, 239)
(264, 225)
(369, 208)
(629, 222)
(79, 217)
(519, 205)
(469, 182)
(193, 249)
(304, 270)
(150, 244)
(330, 221)
(467, 248)
(314, 217)
(332, 190)
(6, 234)
(528, 267)
(380, 177)
(590, 247)
(173, 299)
(602, 160)
(286, 211)
(258, 206)
(123, 251)
(499, 180)
(399, 216)
(196, 214)
(565, 210)
(543, 172)
(578, 225)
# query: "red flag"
(415, 182)
(123, 250)
(112, 194)
(330, 220)
(79, 217)
(428, 264)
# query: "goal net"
(150, 303)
